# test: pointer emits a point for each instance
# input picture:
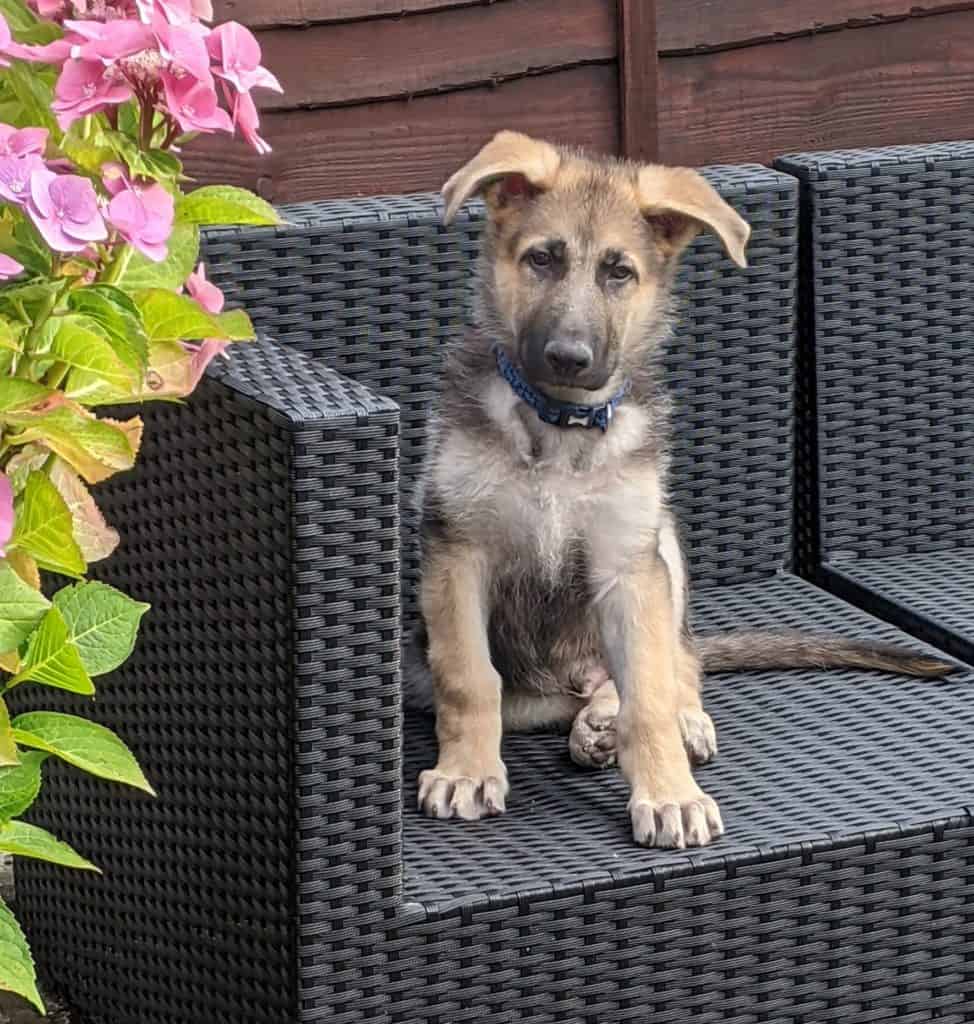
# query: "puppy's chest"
(542, 510)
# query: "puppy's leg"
(592, 743)
(641, 640)
(699, 735)
(696, 726)
(469, 780)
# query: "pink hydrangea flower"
(205, 292)
(237, 55)
(15, 175)
(9, 267)
(176, 12)
(64, 208)
(141, 214)
(21, 141)
(245, 117)
(184, 48)
(56, 52)
(87, 87)
(107, 41)
(203, 354)
(6, 514)
(6, 41)
(48, 8)
(194, 104)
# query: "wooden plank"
(902, 82)
(268, 13)
(393, 57)
(638, 79)
(399, 146)
(689, 25)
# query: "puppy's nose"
(568, 357)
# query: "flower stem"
(145, 125)
(118, 266)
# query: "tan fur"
(469, 779)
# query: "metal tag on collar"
(577, 416)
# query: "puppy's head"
(580, 253)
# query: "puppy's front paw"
(675, 821)
(444, 794)
(699, 735)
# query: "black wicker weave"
(284, 877)
(886, 481)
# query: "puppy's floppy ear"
(680, 203)
(523, 166)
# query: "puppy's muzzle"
(568, 358)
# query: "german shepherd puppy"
(553, 591)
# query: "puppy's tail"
(760, 649)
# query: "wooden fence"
(392, 95)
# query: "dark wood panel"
(391, 57)
(410, 145)
(264, 13)
(687, 25)
(907, 81)
(638, 79)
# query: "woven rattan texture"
(804, 755)
(378, 288)
(931, 595)
(890, 327)
(838, 894)
(262, 700)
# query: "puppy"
(553, 587)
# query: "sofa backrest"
(887, 342)
(378, 288)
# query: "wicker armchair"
(283, 875)
(888, 336)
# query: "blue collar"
(550, 410)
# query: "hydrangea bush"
(102, 302)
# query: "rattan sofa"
(888, 348)
(283, 875)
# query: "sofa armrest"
(263, 700)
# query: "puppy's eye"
(540, 259)
(620, 272)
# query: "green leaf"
(95, 538)
(52, 659)
(96, 448)
(24, 840)
(236, 325)
(171, 317)
(119, 316)
(11, 336)
(82, 344)
(21, 608)
(102, 623)
(19, 785)
(42, 527)
(18, 16)
(86, 745)
(9, 754)
(17, 972)
(183, 254)
(29, 248)
(90, 153)
(225, 204)
(156, 163)
(19, 396)
(31, 84)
